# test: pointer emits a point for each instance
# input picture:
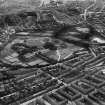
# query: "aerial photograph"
(52, 52)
